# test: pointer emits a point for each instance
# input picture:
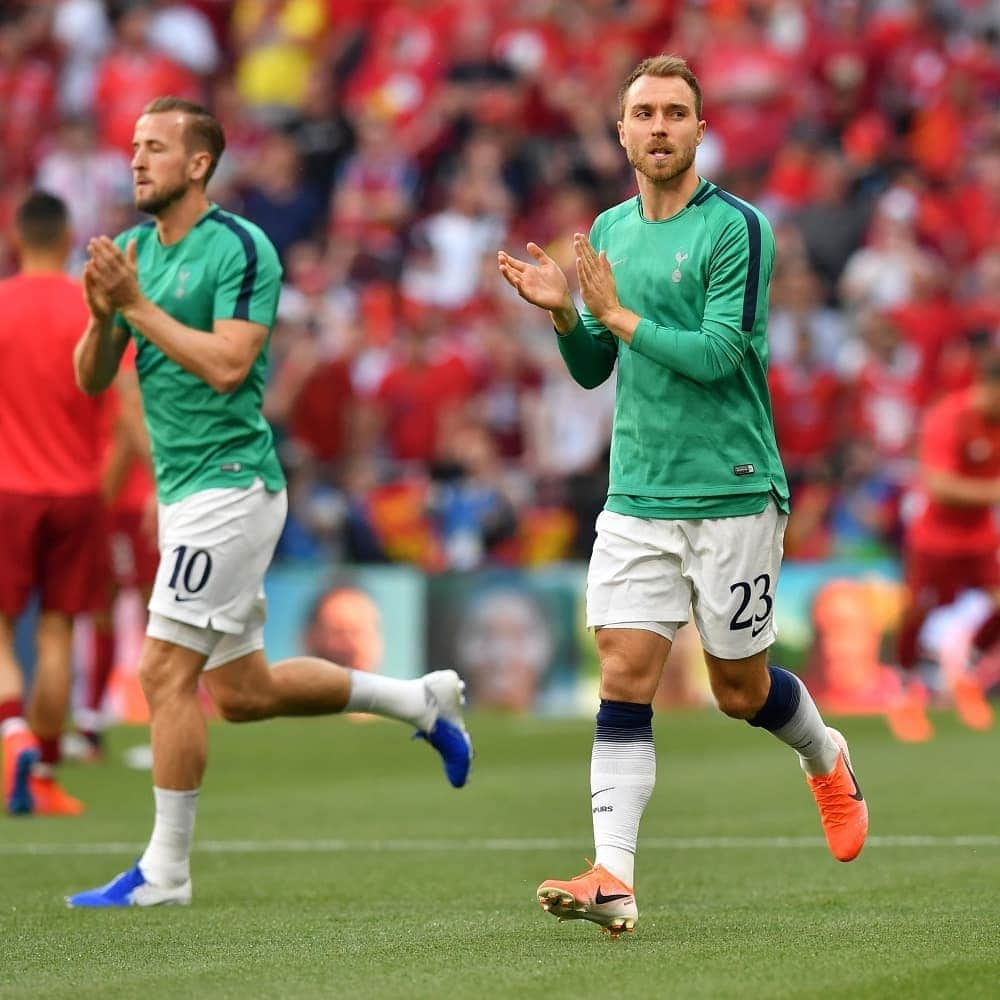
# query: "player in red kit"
(128, 489)
(953, 544)
(50, 506)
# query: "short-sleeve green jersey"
(224, 268)
(693, 429)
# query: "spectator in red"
(27, 91)
(754, 87)
(884, 376)
(976, 203)
(132, 74)
(374, 200)
(50, 505)
(807, 397)
(421, 396)
(505, 387)
(952, 543)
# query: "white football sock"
(391, 697)
(15, 724)
(807, 734)
(167, 860)
(622, 776)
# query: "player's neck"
(663, 201)
(43, 263)
(175, 222)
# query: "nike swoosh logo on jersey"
(600, 791)
(757, 631)
(601, 898)
(193, 597)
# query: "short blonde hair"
(662, 65)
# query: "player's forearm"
(706, 355)
(96, 356)
(961, 491)
(211, 358)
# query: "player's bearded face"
(658, 160)
(659, 129)
(155, 198)
(160, 162)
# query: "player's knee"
(737, 702)
(235, 707)
(163, 678)
(239, 703)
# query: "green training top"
(224, 268)
(693, 432)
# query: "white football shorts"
(651, 573)
(215, 547)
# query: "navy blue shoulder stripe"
(242, 310)
(698, 199)
(752, 287)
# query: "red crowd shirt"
(51, 440)
(957, 438)
(138, 484)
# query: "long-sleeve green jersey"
(223, 268)
(693, 430)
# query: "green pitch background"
(333, 860)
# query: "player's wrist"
(564, 319)
(621, 322)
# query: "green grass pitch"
(333, 860)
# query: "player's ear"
(200, 163)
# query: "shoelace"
(831, 796)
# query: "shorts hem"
(199, 620)
(744, 652)
(244, 649)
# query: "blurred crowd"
(390, 148)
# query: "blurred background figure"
(952, 546)
(345, 626)
(52, 542)
(503, 648)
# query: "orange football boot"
(49, 798)
(971, 704)
(842, 808)
(596, 895)
(20, 751)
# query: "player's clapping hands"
(111, 277)
(597, 282)
(542, 284)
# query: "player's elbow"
(228, 379)
(90, 384)
(590, 379)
